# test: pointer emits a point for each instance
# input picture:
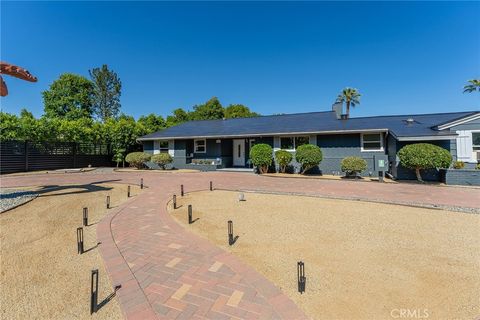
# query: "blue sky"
(275, 57)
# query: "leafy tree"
(421, 156)
(106, 92)
(211, 110)
(283, 158)
(472, 86)
(353, 165)
(179, 116)
(162, 159)
(309, 156)
(261, 156)
(122, 133)
(152, 123)
(137, 159)
(9, 126)
(239, 111)
(70, 96)
(119, 156)
(350, 97)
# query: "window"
(292, 143)
(372, 142)
(476, 141)
(200, 146)
(163, 147)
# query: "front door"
(239, 152)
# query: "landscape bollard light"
(241, 197)
(211, 186)
(79, 240)
(301, 276)
(174, 201)
(108, 202)
(94, 292)
(230, 232)
(141, 183)
(181, 190)
(128, 192)
(190, 220)
(85, 216)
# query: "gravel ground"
(11, 198)
(363, 260)
(42, 276)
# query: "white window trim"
(294, 144)
(473, 158)
(195, 145)
(382, 149)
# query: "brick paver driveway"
(167, 272)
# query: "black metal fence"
(18, 156)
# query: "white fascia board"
(459, 121)
(267, 134)
(424, 138)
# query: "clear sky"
(274, 57)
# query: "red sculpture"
(14, 71)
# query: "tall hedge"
(261, 156)
(137, 159)
(421, 156)
(283, 158)
(309, 156)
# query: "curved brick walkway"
(167, 272)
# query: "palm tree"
(350, 96)
(474, 85)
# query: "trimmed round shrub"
(353, 165)
(283, 159)
(162, 159)
(137, 159)
(261, 156)
(309, 156)
(458, 165)
(421, 156)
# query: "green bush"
(136, 159)
(162, 159)
(309, 156)
(261, 156)
(477, 166)
(459, 165)
(421, 156)
(353, 165)
(283, 159)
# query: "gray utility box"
(380, 165)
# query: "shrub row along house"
(214, 144)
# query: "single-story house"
(214, 144)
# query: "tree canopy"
(70, 97)
(472, 86)
(349, 96)
(238, 111)
(106, 92)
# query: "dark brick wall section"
(462, 177)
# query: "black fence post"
(108, 202)
(141, 183)
(181, 190)
(190, 214)
(26, 155)
(94, 292)
(174, 201)
(211, 186)
(85, 216)
(230, 232)
(128, 192)
(80, 240)
(301, 276)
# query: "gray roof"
(313, 122)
